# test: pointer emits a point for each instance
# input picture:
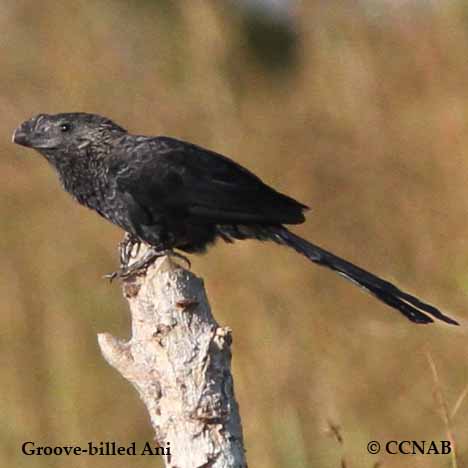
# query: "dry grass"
(369, 126)
(447, 416)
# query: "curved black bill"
(20, 136)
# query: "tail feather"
(410, 306)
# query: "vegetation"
(363, 116)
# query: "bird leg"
(129, 248)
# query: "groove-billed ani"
(175, 195)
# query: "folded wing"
(171, 177)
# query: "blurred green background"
(358, 109)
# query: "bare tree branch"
(178, 359)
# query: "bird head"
(71, 132)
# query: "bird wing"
(168, 176)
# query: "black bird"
(175, 195)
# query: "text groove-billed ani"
(175, 195)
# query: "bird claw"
(172, 253)
(111, 276)
(128, 269)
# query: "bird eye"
(65, 127)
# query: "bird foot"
(139, 267)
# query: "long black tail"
(410, 306)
